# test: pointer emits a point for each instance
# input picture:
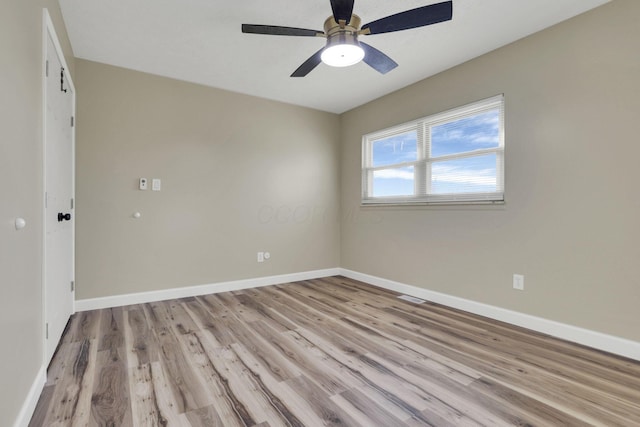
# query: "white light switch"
(156, 185)
(518, 282)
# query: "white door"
(59, 183)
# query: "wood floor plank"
(84, 405)
(145, 407)
(415, 356)
(325, 352)
(531, 347)
(73, 389)
(410, 399)
(277, 363)
(187, 389)
(481, 344)
(323, 407)
(303, 359)
(207, 322)
(140, 342)
(164, 394)
(573, 397)
(292, 408)
(463, 403)
(224, 401)
(179, 318)
(373, 341)
(205, 417)
(221, 317)
(220, 361)
(259, 311)
(383, 327)
(188, 392)
(517, 408)
(363, 409)
(111, 333)
(85, 325)
(591, 359)
(110, 402)
(58, 364)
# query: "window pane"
(395, 149)
(471, 133)
(470, 175)
(393, 182)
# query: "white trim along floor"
(597, 340)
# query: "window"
(455, 156)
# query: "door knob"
(63, 216)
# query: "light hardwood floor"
(330, 352)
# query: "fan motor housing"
(331, 27)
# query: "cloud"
(445, 175)
(482, 129)
(457, 175)
(487, 119)
(402, 138)
(483, 138)
(394, 174)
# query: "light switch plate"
(518, 282)
(156, 184)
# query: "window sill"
(444, 204)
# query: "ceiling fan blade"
(280, 31)
(377, 60)
(414, 18)
(342, 10)
(308, 65)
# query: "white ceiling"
(200, 41)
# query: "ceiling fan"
(343, 28)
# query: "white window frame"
(422, 166)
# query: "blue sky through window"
(476, 174)
(396, 149)
(469, 175)
(393, 182)
(471, 133)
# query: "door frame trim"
(49, 31)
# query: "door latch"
(63, 216)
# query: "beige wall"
(21, 196)
(239, 175)
(571, 219)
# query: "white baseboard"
(597, 340)
(29, 405)
(191, 291)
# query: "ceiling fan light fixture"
(342, 50)
(343, 27)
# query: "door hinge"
(73, 286)
(62, 80)
(71, 203)
(46, 68)
(46, 333)
(72, 121)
